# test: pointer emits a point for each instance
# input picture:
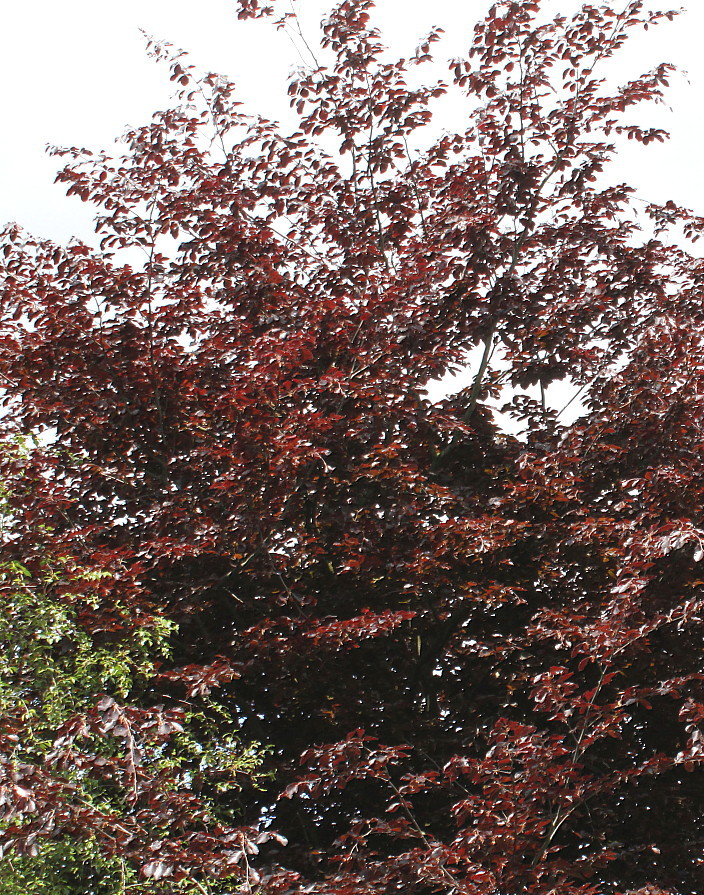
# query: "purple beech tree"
(473, 659)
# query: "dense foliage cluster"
(273, 621)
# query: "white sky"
(75, 73)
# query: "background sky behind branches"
(76, 73)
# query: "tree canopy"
(273, 621)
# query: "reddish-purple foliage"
(476, 658)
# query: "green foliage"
(50, 665)
(63, 648)
(66, 868)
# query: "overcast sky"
(75, 72)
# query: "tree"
(473, 656)
(94, 772)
